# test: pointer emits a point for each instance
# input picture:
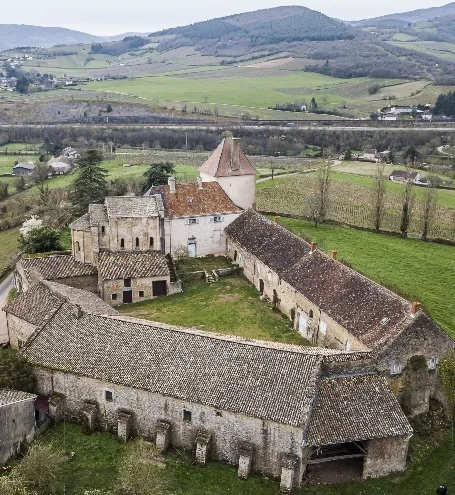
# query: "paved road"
(5, 287)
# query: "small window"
(323, 327)
(78, 247)
(103, 229)
(191, 221)
(229, 248)
(151, 242)
(122, 243)
(114, 297)
(259, 268)
(348, 345)
(141, 293)
(395, 369)
(311, 314)
(127, 282)
(219, 414)
(186, 415)
(190, 201)
(218, 219)
(108, 396)
(137, 242)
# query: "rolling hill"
(413, 16)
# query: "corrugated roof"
(9, 396)
(256, 379)
(188, 200)
(367, 310)
(228, 160)
(120, 265)
(133, 207)
(355, 408)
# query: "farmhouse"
(334, 306)
(370, 155)
(265, 407)
(25, 168)
(60, 165)
(17, 417)
(404, 176)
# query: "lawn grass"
(231, 306)
(8, 246)
(94, 466)
(420, 270)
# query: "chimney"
(333, 255)
(77, 311)
(171, 182)
(314, 246)
(275, 219)
(415, 308)
(235, 154)
(199, 183)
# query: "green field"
(419, 270)
(230, 306)
(8, 243)
(96, 457)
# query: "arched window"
(122, 243)
(137, 242)
(310, 314)
(78, 247)
(151, 242)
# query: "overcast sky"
(108, 17)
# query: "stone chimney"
(314, 246)
(333, 255)
(415, 308)
(199, 183)
(171, 182)
(235, 154)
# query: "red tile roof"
(188, 200)
(228, 160)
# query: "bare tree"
(321, 194)
(429, 206)
(379, 196)
(408, 204)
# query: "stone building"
(17, 420)
(195, 216)
(234, 173)
(265, 407)
(41, 302)
(334, 306)
(126, 277)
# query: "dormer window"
(384, 321)
(190, 201)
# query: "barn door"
(159, 288)
(127, 296)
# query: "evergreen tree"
(91, 185)
(158, 174)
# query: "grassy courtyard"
(230, 306)
(419, 270)
(96, 457)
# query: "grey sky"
(107, 17)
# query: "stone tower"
(228, 166)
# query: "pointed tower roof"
(228, 160)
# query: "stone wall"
(145, 284)
(19, 331)
(85, 282)
(17, 428)
(312, 323)
(385, 456)
(130, 229)
(228, 430)
(82, 245)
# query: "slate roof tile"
(133, 207)
(55, 267)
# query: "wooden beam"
(336, 458)
(359, 446)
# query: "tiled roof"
(8, 396)
(42, 300)
(189, 200)
(98, 214)
(119, 265)
(275, 246)
(228, 160)
(82, 223)
(55, 267)
(355, 408)
(131, 206)
(367, 310)
(268, 381)
(26, 165)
